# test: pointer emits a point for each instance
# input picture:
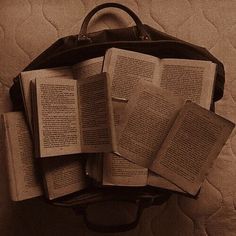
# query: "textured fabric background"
(27, 27)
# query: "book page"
(193, 143)
(58, 117)
(116, 169)
(27, 76)
(24, 180)
(95, 109)
(87, 68)
(118, 113)
(156, 180)
(191, 79)
(95, 164)
(127, 68)
(121, 172)
(63, 175)
(149, 115)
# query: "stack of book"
(125, 119)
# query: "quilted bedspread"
(27, 27)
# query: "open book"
(78, 71)
(73, 116)
(61, 175)
(175, 139)
(191, 79)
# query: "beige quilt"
(27, 27)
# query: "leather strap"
(142, 34)
(114, 228)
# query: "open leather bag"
(141, 38)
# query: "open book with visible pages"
(191, 79)
(59, 175)
(73, 116)
(78, 71)
(56, 106)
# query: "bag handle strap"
(110, 228)
(142, 203)
(142, 34)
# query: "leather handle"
(142, 34)
(113, 228)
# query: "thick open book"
(78, 71)
(175, 139)
(191, 79)
(73, 116)
(60, 175)
(24, 181)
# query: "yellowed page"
(119, 114)
(191, 79)
(193, 143)
(148, 117)
(23, 175)
(87, 68)
(80, 70)
(58, 117)
(116, 169)
(121, 172)
(63, 175)
(95, 109)
(127, 68)
(156, 180)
